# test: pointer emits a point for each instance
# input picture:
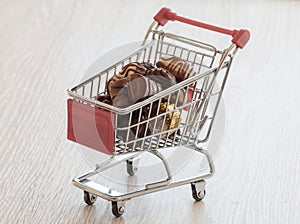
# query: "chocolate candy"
(133, 68)
(121, 99)
(115, 86)
(177, 67)
(142, 87)
(162, 73)
(140, 129)
(104, 98)
(128, 73)
(116, 83)
(178, 98)
(172, 119)
(138, 81)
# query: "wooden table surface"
(47, 46)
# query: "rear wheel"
(198, 190)
(132, 165)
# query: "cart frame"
(128, 150)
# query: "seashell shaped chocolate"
(104, 99)
(142, 87)
(176, 66)
(128, 73)
(137, 81)
(162, 76)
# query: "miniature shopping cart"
(95, 124)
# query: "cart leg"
(209, 159)
(168, 170)
(132, 165)
(198, 187)
(93, 189)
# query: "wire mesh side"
(140, 130)
(166, 122)
(97, 83)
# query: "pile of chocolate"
(137, 82)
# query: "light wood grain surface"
(46, 47)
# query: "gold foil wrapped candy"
(171, 119)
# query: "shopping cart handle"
(239, 37)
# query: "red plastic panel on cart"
(91, 127)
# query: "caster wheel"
(198, 190)
(132, 166)
(89, 198)
(118, 208)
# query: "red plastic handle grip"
(239, 37)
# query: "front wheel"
(89, 198)
(118, 208)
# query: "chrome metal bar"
(109, 194)
(149, 31)
(209, 159)
(228, 64)
(168, 170)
